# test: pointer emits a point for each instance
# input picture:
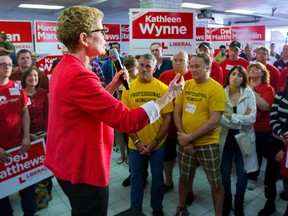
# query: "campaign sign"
(124, 33)
(23, 170)
(46, 41)
(45, 63)
(200, 34)
(113, 32)
(173, 28)
(19, 33)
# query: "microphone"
(114, 55)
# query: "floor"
(119, 199)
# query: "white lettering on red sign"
(12, 37)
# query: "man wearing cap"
(233, 59)
(216, 72)
(222, 55)
(162, 63)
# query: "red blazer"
(81, 117)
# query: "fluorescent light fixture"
(37, 6)
(239, 11)
(195, 6)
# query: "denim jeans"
(137, 163)
(230, 151)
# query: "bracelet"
(136, 142)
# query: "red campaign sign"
(200, 33)
(17, 31)
(45, 31)
(45, 63)
(208, 34)
(162, 25)
(113, 32)
(221, 34)
(248, 33)
(20, 164)
(125, 33)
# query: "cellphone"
(39, 133)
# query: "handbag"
(244, 143)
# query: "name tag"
(29, 102)
(14, 91)
(229, 67)
(191, 108)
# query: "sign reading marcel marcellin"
(23, 170)
(175, 30)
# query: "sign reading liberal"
(173, 28)
(19, 33)
(23, 170)
(45, 38)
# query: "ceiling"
(116, 11)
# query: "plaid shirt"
(97, 70)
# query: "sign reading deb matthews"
(23, 170)
(174, 29)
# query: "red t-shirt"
(262, 123)
(274, 75)
(228, 64)
(12, 101)
(282, 79)
(216, 72)
(166, 78)
(38, 111)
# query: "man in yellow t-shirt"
(147, 142)
(197, 114)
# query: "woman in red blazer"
(82, 114)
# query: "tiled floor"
(119, 199)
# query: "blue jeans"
(230, 151)
(137, 163)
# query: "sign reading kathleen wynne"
(173, 28)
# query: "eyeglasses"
(4, 65)
(103, 31)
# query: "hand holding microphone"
(114, 55)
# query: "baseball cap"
(205, 44)
(235, 44)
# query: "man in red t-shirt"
(262, 55)
(180, 65)
(14, 131)
(282, 79)
(233, 59)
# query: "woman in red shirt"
(38, 110)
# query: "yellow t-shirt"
(121, 87)
(139, 94)
(197, 101)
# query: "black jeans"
(86, 200)
(28, 203)
(272, 170)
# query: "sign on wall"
(45, 38)
(23, 170)
(19, 33)
(174, 29)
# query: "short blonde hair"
(262, 67)
(75, 20)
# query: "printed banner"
(19, 33)
(23, 170)
(45, 63)
(174, 29)
(45, 38)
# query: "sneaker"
(126, 182)
(157, 213)
(168, 188)
(268, 209)
(189, 198)
(120, 160)
(251, 184)
(181, 212)
(283, 196)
